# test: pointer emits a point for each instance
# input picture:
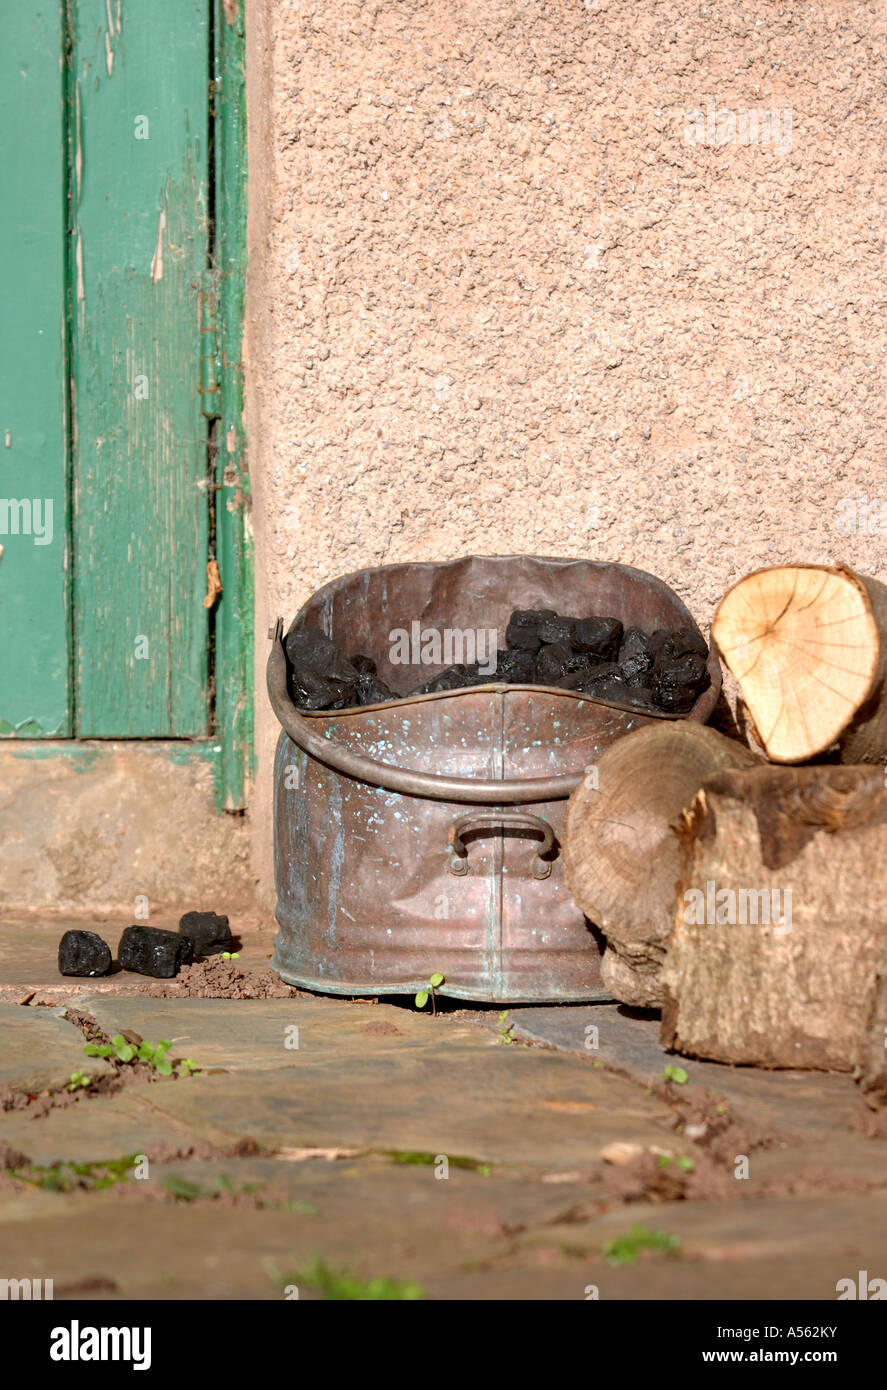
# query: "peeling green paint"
(205, 751)
(27, 728)
(82, 756)
(141, 499)
(34, 657)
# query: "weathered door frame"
(229, 746)
(233, 636)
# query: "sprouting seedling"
(153, 1054)
(118, 1047)
(78, 1079)
(684, 1163)
(505, 1027)
(675, 1074)
(434, 982)
(230, 955)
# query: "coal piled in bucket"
(661, 672)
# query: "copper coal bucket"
(421, 836)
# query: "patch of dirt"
(86, 1023)
(215, 978)
(40, 1104)
(246, 1147)
(655, 1177)
(710, 1123)
(814, 1180)
(870, 1122)
(95, 1283)
(381, 1029)
(11, 1157)
(172, 1153)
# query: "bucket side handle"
(540, 867)
(433, 785)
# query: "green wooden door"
(141, 487)
(109, 407)
(34, 628)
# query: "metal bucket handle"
(475, 790)
(499, 820)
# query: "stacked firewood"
(742, 889)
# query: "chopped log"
(620, 848)
(808, 647)
(780, 923)
(871, 1065)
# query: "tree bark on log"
(872, 1057)
(808, 647)
(620, 847)
(780, 925)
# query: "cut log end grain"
(621, 855)
(806, 644)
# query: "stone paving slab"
(369, 1077)
(799, 1102)
(469, 1237)
(195, 1251)
(791, 1247)
(386, 1080)
(39, 1051)
(258, 1034)
(461, 1096)
(101, 1128)
(367, 1218)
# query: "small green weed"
(675, 1074)
(66, 1177)
(184, 1190)
(434, 982)
(153, 1054)
(340, 1285)
(626, 1249)
(684, 1163)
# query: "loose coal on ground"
(84, 953)
(663, 671)
(147, 950)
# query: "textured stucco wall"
(498, 303)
